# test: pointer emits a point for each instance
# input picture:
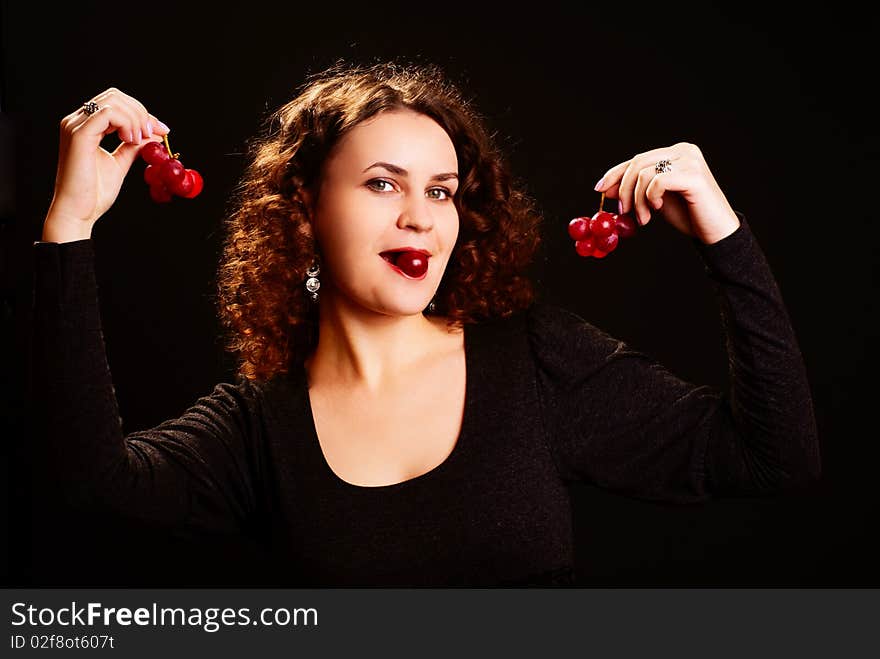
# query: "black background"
(779, 105)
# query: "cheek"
(453, 227)
(338, 223)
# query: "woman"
(393, 425)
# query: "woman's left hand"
(688, 196)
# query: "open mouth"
(409, 263)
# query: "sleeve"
(194, 472)
(617, 419)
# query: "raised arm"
(196, 470)
(618, 419)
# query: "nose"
(417, 214)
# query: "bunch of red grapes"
(166, 175)
(599, 235)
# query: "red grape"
(159, 193)
(607, 243)
(602, 224)
(579, 228)
(599, 254)
(183, 186)
(586, 246)
(154, 153)
(166, 175)
(171, 171)
(151, 175)
(198, 183)
(625, 225)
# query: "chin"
(409, 311)
(403, 308)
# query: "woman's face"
(388, 183)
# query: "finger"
(116, 99)
(156, 126)
(86, 136)
(610, 181)
(679, 180)
(133, 135)
(149, 124)
(114, 92)
(647, 160)
(626, 186)
(125, 154)
(641, 204)
(146, 123)
(620, 181)
(136, 133)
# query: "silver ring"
(663, 166)
(90, 108)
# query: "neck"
(369, 350)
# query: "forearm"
(770, 399)
(192, 470)
(74, 395)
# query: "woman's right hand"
(89, 177)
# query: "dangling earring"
(432, 307)
(312, 281)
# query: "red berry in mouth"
(579, 228)
(412, 263)
(154, 153)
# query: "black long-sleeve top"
(550, 399)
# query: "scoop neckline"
(439, 469)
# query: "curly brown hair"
(270, 321)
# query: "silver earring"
(312, 282)
(432, 307)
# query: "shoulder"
(253, 405)
(249, 397)
(554, 334)
(547, 316)
(549, 324)
(236, 396)
(564, 343)
(543, 321)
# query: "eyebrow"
(400, 171)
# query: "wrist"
(719, 233)
(60, 229)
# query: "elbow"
(811, 472)
(797, 468)
(814, 464)
(804, 469)
(807, 459)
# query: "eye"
(379, 182)
(444, 191)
